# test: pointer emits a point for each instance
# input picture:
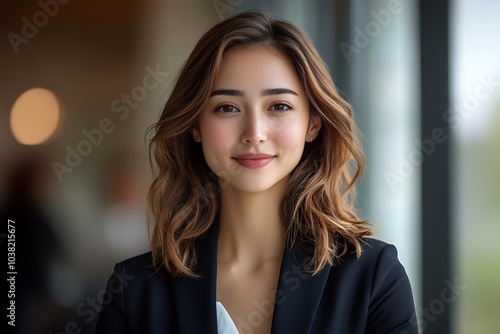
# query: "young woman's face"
(257, 120)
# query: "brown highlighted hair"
(318, 210)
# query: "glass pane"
(475, 121)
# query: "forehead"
(256, 66)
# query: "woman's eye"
(280, 107)
(226, 109)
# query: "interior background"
(90, 53)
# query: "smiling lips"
(254, 160)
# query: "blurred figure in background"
(124, 215)
(37, 245)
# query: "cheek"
(217, 140)
(291, 135)
(217, 137)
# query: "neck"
(251, 230)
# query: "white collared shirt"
(225, 324)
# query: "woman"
(252, 218)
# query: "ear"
(196, 134)
(314, 126)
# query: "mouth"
(254, 160)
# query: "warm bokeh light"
(35, 116)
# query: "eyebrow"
(264, 92)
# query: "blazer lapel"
(195, 298)
(298, 295)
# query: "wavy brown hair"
(318, 210)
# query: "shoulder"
(134, 282)
(382, 260)
(378, 264)
(142, 263)
(137, 280)
(378, 252)
(139, 270)
(374, 253)
(374, 247)
(374, 288)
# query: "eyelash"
(289, 107)
(219, 108)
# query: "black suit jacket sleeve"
(389, 309)
(370, 295)
(138, 299)
(113, 305)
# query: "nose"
(255, 129)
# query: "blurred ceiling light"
(35, 116)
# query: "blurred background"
(82, 80)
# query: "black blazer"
(371, 294)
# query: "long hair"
(318, 209)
